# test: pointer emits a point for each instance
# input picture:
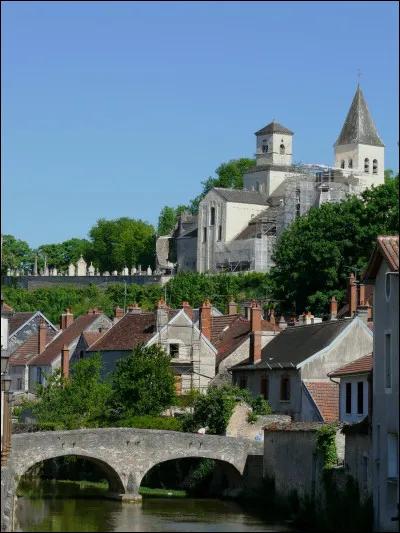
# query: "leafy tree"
(53, 253)
(166, 220)
(80, 401)
(16, 254)
(229, 175)
(318, 251)
(122, 242)
(143, 383)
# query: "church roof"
(359, 128)
(242, 196)
(274, 127)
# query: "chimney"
(65, 362)
(282, 323)
(66, 319)
(134, 309)
(333, 309)
(188, 309)
(118, 313)
(232, 307)
(97, 311)
(161, 313)
(205, 319)
(42, 335)
(362, 294)
(362, 312)
(272, 317)
(255, 336)
(352, 294)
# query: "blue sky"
(114, 109)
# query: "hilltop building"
(236, 230)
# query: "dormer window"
(350, 163)
(282, 149)
(342, 163)
(375, 166)
(366, 165)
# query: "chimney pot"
(188, 309)
(66, 319)
(232, 307)
(333, 308)
(42, 335)
(255, 336)
(65, 362)
(205, 319)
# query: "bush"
(151, 422)
(252, 417)
(188, 399)
(189, 424)
(261, 406)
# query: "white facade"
(369, 160)
(274, 149)
(355, 408)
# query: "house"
(383, 271)
(355, 389)
(25, 324)
(192, 354)
(291, 370)
(64, 344)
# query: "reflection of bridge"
(126, 455)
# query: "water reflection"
(52, 512)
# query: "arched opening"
(76, 472)
(366, 165)
(190, 476)
(282, 149)
(350, 163)
(375, 166)
(265, 148)
(342, 163)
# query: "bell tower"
(274, 145)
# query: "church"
(236, 230)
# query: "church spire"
(359, 127)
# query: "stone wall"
(358, 461)
(239, 427)
(7, 497)
(35, 282)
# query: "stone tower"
(359, 146)
(274, 145)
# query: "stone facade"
(8, 486)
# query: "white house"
(383, 272)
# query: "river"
(54, 506)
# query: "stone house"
(64, 344)
(25, 324)
(383, 271)
(192, 354)
(355, 389)
(291, 370)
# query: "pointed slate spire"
(359, 128)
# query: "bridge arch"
(115, 484)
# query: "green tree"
(122, 242)
(80, 401)
(166, 220)
(143, 383)
(229, 175)
(16, 254)
(318, 251)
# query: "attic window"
(366, 165)
(282, 149)
(174, 350)
(375, 166)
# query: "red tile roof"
(389, 245)
(27, 351)
(18, 319)
(237, 331)
(67, 336)
(363, 365)
(326, 396)
(93, 336)
(7, 307)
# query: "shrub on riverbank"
(150, 422)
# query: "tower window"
(282, 149)
(220, 233)
(375, 166)
(212, 216)
(204, 234)
(257, 185)
(265, 148)
(350, 163)
(366, 165)
(342, 163)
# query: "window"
(298, 203)
(350, 163)
(265, 148)
(243, 383)
(178, 384)
(393, 456)
(265, 388)
(19, 384)
(212, 216)
(342, 163)
(220, 233)
(387, 285)
(366, 165)
(257, 185)
(204, 234)
(388, 361)
(282, 149)
(81, 354)
(285, 389)
(174, 350)
(348, 398)
(360, 398)
(375, 166)
(39, 378)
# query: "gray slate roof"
(273, 127)
(296, 344)
(242, 196)
(254, 227)
(261, 168)
(359, 128)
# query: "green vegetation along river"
(56, 506)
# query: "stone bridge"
(126, 455)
